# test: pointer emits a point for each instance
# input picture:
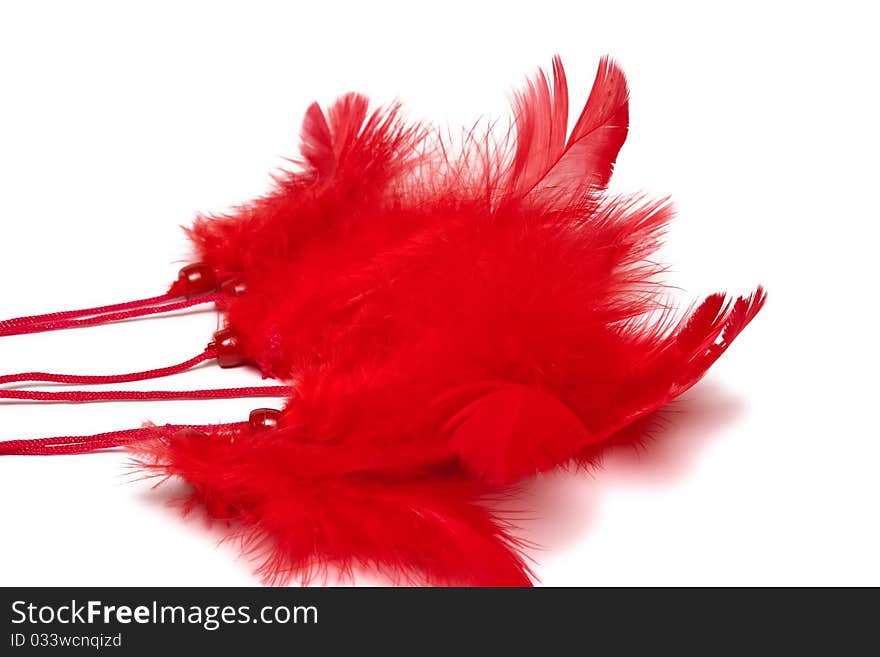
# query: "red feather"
(302, 508)
(351, 160)
(544, 161)
(452, 321)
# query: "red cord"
(87, 380)
(83, 444)
(192, 280)
(84, 312)
(130, 310)
(87, 396)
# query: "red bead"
(263, 419)
(228, 348)
(234, 287)
(197, 278)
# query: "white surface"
(118, 124)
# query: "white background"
(117, 124)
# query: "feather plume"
(453, 321)
(299, 520)
(544, 161)
(351, 158)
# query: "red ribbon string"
(83, 444)
(183, 294)
(85, 312)
(87, 380)
(102, 314)
(88, 396)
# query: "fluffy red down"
(301, 508)
(451, 323)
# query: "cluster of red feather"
(453, 318)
